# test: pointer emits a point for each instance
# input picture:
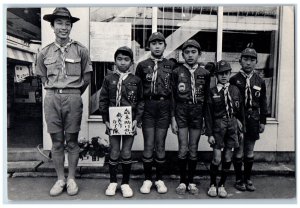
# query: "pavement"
(269, 189)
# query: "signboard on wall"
(21, 72)
(106, 38)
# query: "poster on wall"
(21, 72)
(120, 120)
(106, 38)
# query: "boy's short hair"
(125, 51)
(191, 43)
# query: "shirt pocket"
(73, 66)
(183, 85)
(52, 66)
(218, 103)
(256, 93)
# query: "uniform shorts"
(63, 112)
(189, 115)
(225, 133)
(157, 114)
(252, 129)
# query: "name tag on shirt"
(70, 60)
(216, 96)
(256, 88)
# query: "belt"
(156, 97)
(187, 102)
(64, 91)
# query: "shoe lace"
(182, 186)
(71, 183)
(192, 186)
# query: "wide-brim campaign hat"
(60, 12)
(222, 66)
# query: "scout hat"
(222, 66)
(157, 36)
(60, 12)
(125, 49)
(249, 51)
(192, 43)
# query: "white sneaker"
(181, 189)
(222, 192)
(193, 189)
(111, 189)
(72, 188)
(58, 188)
(161, 187)
(146, 187)
(126, 191)
(212, 192)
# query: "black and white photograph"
(149, 103)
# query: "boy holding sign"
(121, 88)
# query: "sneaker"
(58, 188)
(72, 188)
(181, 189)
(192, 189)
(126, 191)
(146, 187)
(212, 191)
(161, 187)
(250, 186)
(222, 192)
(240, 185)
(111, 189)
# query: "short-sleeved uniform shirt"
(63, 112)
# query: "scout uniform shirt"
(163, 86)
(216, 106)
(67, 73)
(131, 95)
(182, 84)
(257, 110)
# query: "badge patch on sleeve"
(149, 77)
(181, 87)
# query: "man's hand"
(107, 127)
(211, 140)
(174, 126)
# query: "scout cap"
(222, 66)
(125, 49)
(157, 36)
(249, 52)
(60, 12)
(192, 43)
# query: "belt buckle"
(60, 91)
(190, 102)
(161, 98)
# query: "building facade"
(222, 31)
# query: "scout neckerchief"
(248, 93)
(228, 100)
(122, 77)
(193, 84)
(154, 74)
(63, 56)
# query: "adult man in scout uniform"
(253, 91)
(223, 113)
(65, 70)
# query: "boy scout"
(190, 88)
(65, 70)
(155, 73)
(224, 107)
(121, 88)
(253, 91)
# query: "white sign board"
(21, 72)
(106, 38)
(120, 120)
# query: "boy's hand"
(107, 127)
(139, 125)
(134, 125)
(261, 128)
(211, 140)
(174, 126)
